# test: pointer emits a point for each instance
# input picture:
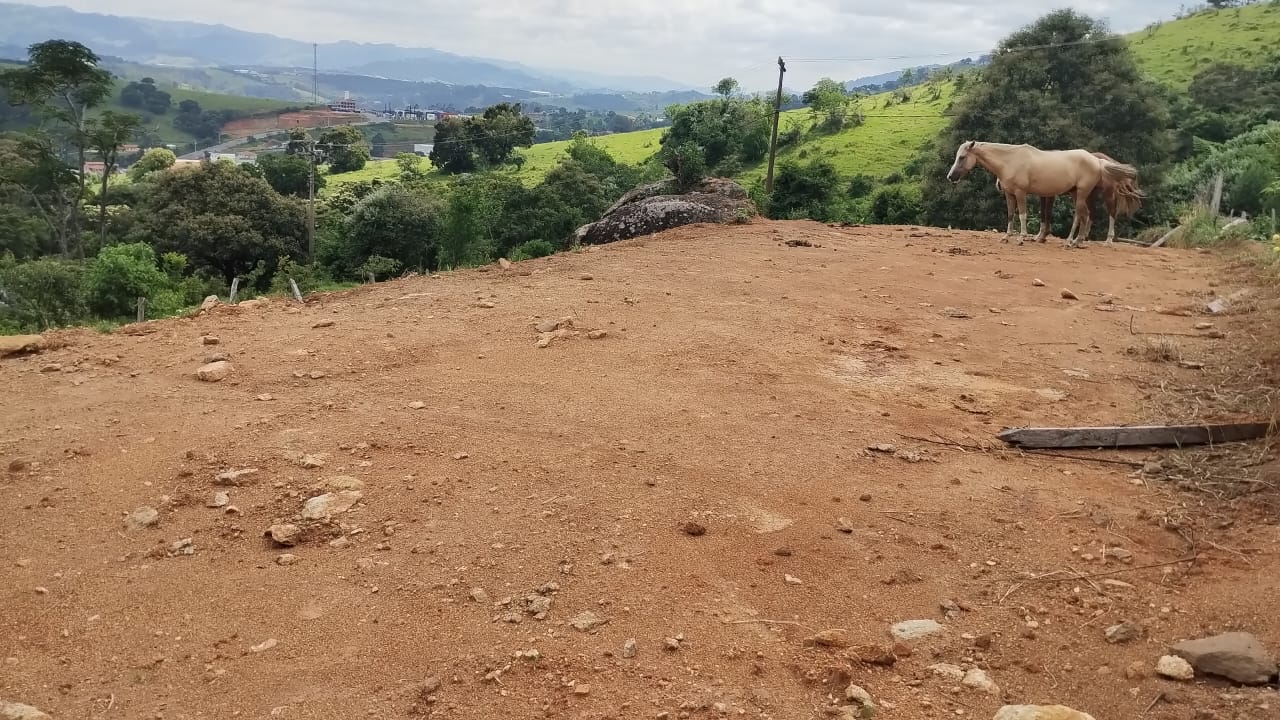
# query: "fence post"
(373, 279)
(235, 286)
(142, 309)
(1216, 202)
(294, 286)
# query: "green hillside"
(1174, 51)
(162, 125)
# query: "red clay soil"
(739, 386)
(287, 121)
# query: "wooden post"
(1164, 238)
(1216, 202)
(777, 116)
(1273, 221)
(372, 279)
(142, 309)
(235, 286)
(294, 286)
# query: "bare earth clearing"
(740, 385)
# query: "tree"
(803, 191)
(1076, 86)
(378, 145)
(344, 148)
(105, 135)
(62, 81)
(395, 222)
(410, 165)
(733, 131)
(121, 274)
(289, 174)
(827, 98)
(225, 220)
(153, 160)
(144, 95)
(486, 141)
(32, 172)
(726, 88)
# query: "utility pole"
(777, 115)
(311, 202)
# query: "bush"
(689, 164)
(533, 249)
(308, 277)
(41, 294)
(897, 205)
(119, 276)
(379, 267)
(803, 191)
(396, 223)
(861, 186)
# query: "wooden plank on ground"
(1133, 436)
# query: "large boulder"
(656, 207)
(1236, 656)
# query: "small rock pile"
(657, 206)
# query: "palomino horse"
(1120, 197)
(1026, 170)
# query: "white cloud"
(695, 41)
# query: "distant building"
(94, 167)
(346, 104)
(423, 149)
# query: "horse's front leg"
(1111, 230)
(1010, 204)
(1022, 216)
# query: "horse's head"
(965, 160)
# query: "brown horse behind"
(1121, 197)
(1023, 170)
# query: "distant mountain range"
(193, 45)
(877, 82)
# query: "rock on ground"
(947, 671)
(18, 711)
(1040, 712)
(322, 506)
(979, 680)
(1175, 668)
(144, 517)
(587, 621)
(1122, 633)
(915, 629)
(1236, 656)
(652, 208)
(214, 371)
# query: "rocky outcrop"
(656, 207)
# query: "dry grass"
(1158, 349)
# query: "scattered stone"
(587, 621)
(874, 655)
(694, 528)
(581, 689)
(504, 263)
(947, 671)
(265, 397)
(979, 680)
(671, 644)
(286, 534)
(144, 517)
(316, 374)
(486, 304)
(185, 546)
(1122, 633)
(1190, 364)
(597, 334)
(1203, 326)
(1119, 553)
(218, 500)
(1137, 670)
(210, 340)
(264, 645)
(548, 325)
(417, 405)
(1040, 712)
(286, 559)
(1068, 295)
(585, 276)
(209, 303)
(214, 371)
(792, 580)
(844, 525)
(629, 648)
(323, 506)
(856, 694)
(828, 638)
(343, 482)
(234, 477)
(19, 344)
(323, 324)
(883, 448)
(1174, 667)
(955, 313)
(1038, 282)
(915, 629)
(950, 609)
(340, 543)
(51, 368)
(18, 711)
(783, 551)
(18, 465)
(215, 357)
(1237, 656)
(479, 595)
(461, 456)
(865, 497)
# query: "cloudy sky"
(694, 41)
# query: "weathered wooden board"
(1133, 436)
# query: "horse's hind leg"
(1111, 219)
(1011, 205)
(1086, 219)
(1022, 216)
(1046, 217)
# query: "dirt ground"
(740, 386)
(305, 118)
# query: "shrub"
(861, 186)
(896, 205)
(41, 294)
(119, 276)
(533, 249)
(379, 267)
(308, 277)
(803, 191)
(689, 164)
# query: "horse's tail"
(1128, 197)
(1119, 172)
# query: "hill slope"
(1173, 52)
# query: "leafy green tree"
(153, 160)
(726, 87)
(1061, 93)
(827, 100)
(32, 175)
(689, 164)
(144, 95)
(62, 82)
(225, 220)
(288, 174)
(733, 131)
(410, 165)
(344, 147)
(804, 191)
(487, 141)
(393, 222)
(105, 135)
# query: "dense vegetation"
(79, 248)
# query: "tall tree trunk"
(79, 199)
(102, 208)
